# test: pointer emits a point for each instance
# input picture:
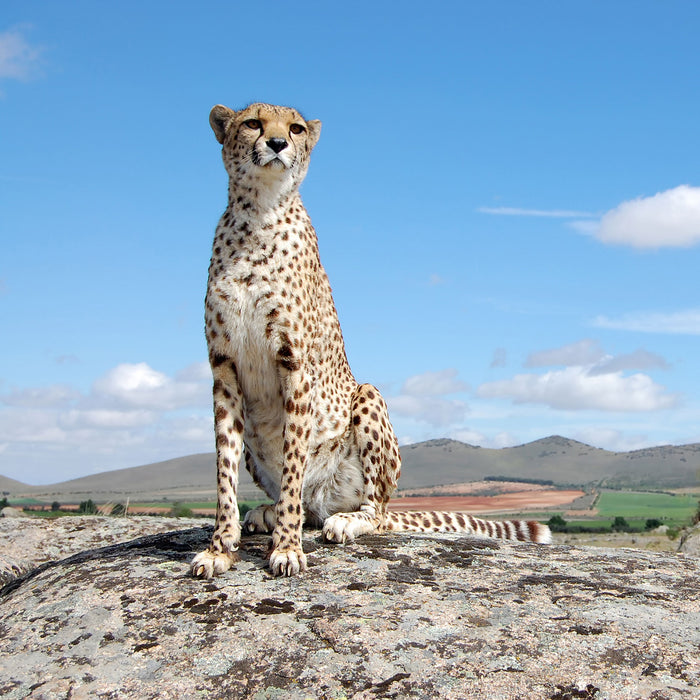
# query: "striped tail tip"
(540, 533)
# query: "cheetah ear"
(314, 127)
(219, 118)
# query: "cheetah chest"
(238, 327)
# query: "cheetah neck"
(262, 197)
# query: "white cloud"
(434, 384)
(588, 353)
(639, 359)
(54, 395)
(141, 385)
(590, 380)
(685, 322)
(475, 437)
(429, 409)
(127, 380)
(543, 213)
(105, 418)
(133, 415)
(575, 389)
(610, 439)
(196, 372)
(667, 219)
(19, 60)
(589, 228)
(471, 437)
(583, 352)
(422, 398)
(35, 426)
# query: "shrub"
(180, 511)
(87, 507)
(557, 524)
(652, 524)
(620, 524)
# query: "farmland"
(670, 508)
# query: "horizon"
(506, 197)
(415, 444)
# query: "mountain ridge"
(437, 462)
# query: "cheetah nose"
(277, 144)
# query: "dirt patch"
(488, 488)
(148, 510)
(530, 497)
(506, 502)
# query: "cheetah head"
(265, 142)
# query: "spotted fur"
(317, 442)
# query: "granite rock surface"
(109, 611)
(690, 542)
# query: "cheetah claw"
(344, 527)
(287, 562)
(260, 519)
(208, 564)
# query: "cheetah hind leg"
(260, 519)
(378, 449)
(344, 527)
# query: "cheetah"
(317, 442)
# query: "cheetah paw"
(342, 528)
(208, 564)
(260, 519)
(287, 562)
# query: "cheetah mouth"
(271, 161)
(275, 164)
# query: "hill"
(184, 478)
(432, 463)
(8, 485)
(561, 460)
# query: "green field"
(22, 502)
(671, 509)
(191, 504)
(170, 504)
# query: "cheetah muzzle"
(318, 443)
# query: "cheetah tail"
(432, 521)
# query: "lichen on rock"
(402, 616)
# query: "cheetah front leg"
(228, 415)
(378, 450)
(287, 557)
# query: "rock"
(389, 616)
(661, 530)
(41, 540)
(10, 512)
(690, 542)
(26, 543)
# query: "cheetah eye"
(297, 129)
(254, 124)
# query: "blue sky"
(507, 198)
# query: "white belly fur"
(333, 479)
